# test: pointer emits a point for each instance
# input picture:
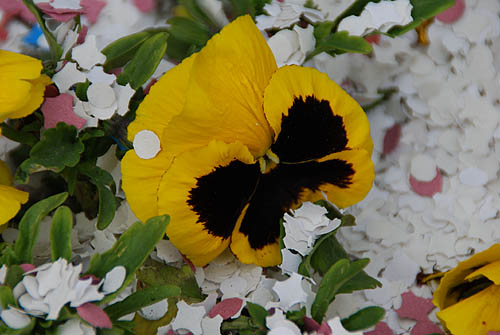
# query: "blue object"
(32, 37)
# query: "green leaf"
(354, 9)
(242, 7)
(323, 30)
(189, 31)
(140, 299)
(19, 136)
(131, 250)
(340, 273)
(107, 207)
(258, 314)
(154, 273)
(97, 175)
(341, 42)
(81, 90)
(297, 317)
(259, 6)
(14, 275)
(91, 132)
(121, 51)
(60, 234)
(365, 318)
(58, 148)
(196, 12)
(422, 10)
(145, 61)
(30, 225)
(6, 297)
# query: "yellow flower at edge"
(243, 142)
(22, 85)
(10, 197)
(469, 295)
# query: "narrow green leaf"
(131, 250)
(6, 297)
(97, 175)
(121, 51)
(365, 318)
(140, 299)
(196, 12)
(81, 90)
(60, 233)
(30, 225)
(242, 7)
(342, 42)
(340, 273)
(323, 30)
(354, 9)
(189, 31)
(14, 275)
(107, 207)
(145, 61)
(258, 314)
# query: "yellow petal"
(490, 271)
(476, 315)
(226, 91)
(141, 181)
(34, 99)
(443, 296)
(19, 66)
(5, 174)
(204, 192)
(10, 202)
(165, 100)
(328, 105)
(14, 94)
(269, 255)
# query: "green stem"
(55, 48)
(386, 95)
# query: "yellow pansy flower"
(10, 197)
(21, 85)
(469, 295)
(242, 142)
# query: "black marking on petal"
(281, 188)
(310, 131)
(220, 196)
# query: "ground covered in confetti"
(432, 99)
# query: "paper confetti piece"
(87, 55)
(94, 315)
(290, 291)
(82, 34)
(426, 327)
(60, 109)
(226, 308)
(145, 6)
(92, 9)
(27, 267)
(427, 189)
(374, 39)
(155, 311)
(311, 325)
(188, 318)
(146, 144)
(415, 308)
(17, 7)
(392, 135)
(59, 14)
(381, 329)
(453, 13)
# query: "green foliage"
(6, 297)
(121, 51)
(81, 90)
(341, 42)
(60, 234)
(258, 314)
(58, 148)
(364, 318)
(130, 251)
(189, 31)
(333, 280)
(145, 61)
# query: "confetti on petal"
(453, 13)
(415, 308)
(146, 144)
(226, 308)
(59, 14)
(92, 9)
(392, 136)
(381, 329)
(145, 6)
(427, 189)
(60, 109)
(94, 315)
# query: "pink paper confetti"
(59, 14)
(60, 109)
(95, 279)
(381, 329)
(493, 333)
(391, 138)
(226, 308)
(27, 267)
(18, 8)
(145, 6)
(453, 13)
(149, 85)
(373, 39)
(427, 188)
(312, 325)
(426, 327)
(82, 34)
(94, 315)
(92, 9)
(415, 308)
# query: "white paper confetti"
(188, 318)
(146, 144)
(87, 55)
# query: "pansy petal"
(225, 93)
(13, 93)
(5, 174)
(166, 99)
(10, 202)
(19, 66)
(490, 271)
(312, 116)
(141, 181)
(204, 192)
(348, 177)
(476, 315)
(35, 97)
